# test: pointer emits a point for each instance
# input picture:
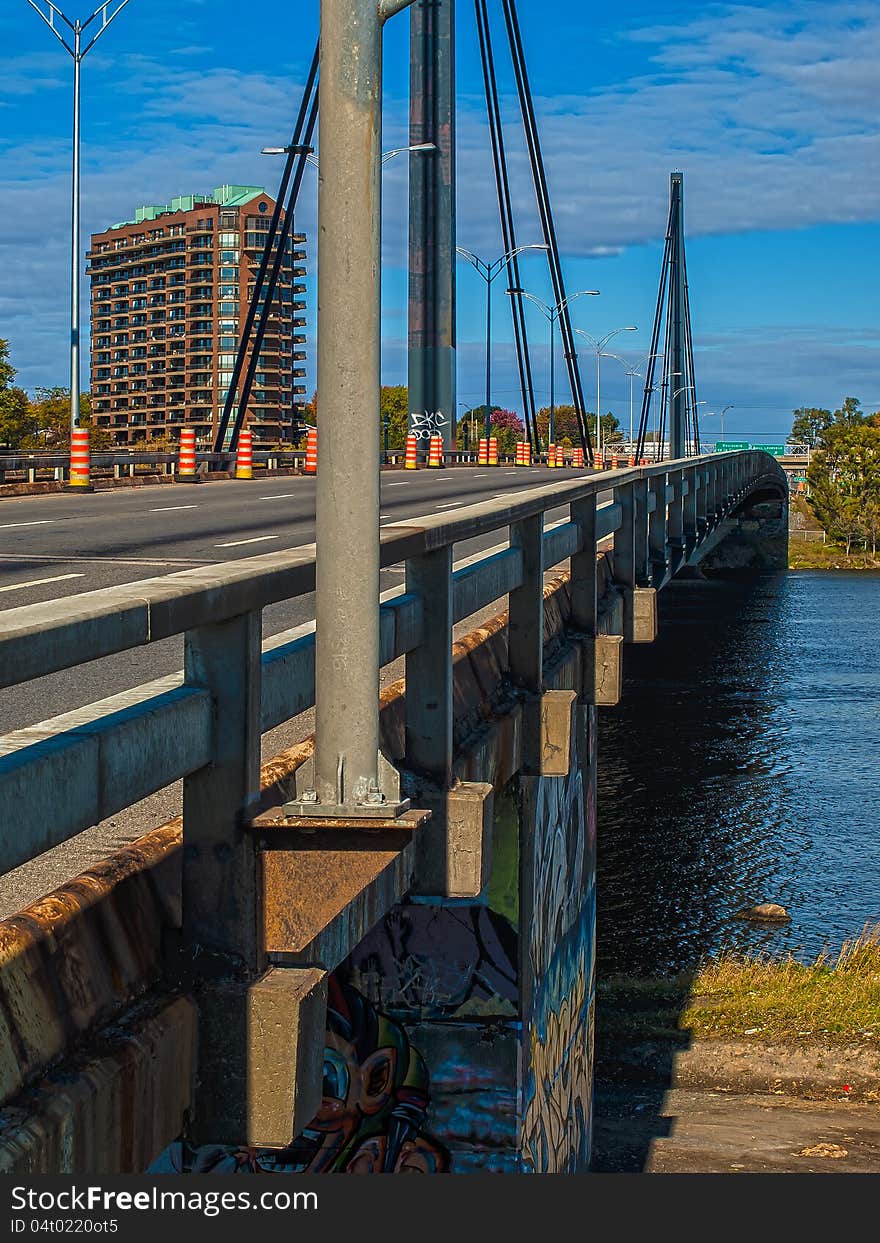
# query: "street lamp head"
(293, 148)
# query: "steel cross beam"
(347, 762)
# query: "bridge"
(375, 950)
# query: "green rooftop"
(221, 196)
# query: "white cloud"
(771, 112)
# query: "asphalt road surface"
(60, 545)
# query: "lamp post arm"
(474, 260)
(50, 21)
(105, 22)
(388, 8)
(548, 311)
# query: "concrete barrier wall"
(97, 1057)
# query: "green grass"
(732, 997)
(810, 556)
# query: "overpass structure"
(376, 952)
(195, 984)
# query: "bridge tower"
(432, 217)
(672, 401)
(678, 393)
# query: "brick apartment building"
(169, 292)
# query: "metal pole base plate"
(300, 809)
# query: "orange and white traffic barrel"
(615, 461)
(560, 456)
(644, 461)
(311, 466)
(186, 456)
(493, 451)
(435, 451)
(631, 461)
(551, 455)
(598, 461)
(244, 458)
(80, 476)
(411, 461)
(483, 453)
(577, 457)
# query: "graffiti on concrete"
(373, 1114)
(559, 1016)
(424, 423)
(433, 961)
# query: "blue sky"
(770, 110)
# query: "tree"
(844, 481)
(611, 433)
(808, 423)
(16, 417)
(51, 409)
(566, 427)
(850, 412)
(17, 421)
(506, 426)
(394, 408)
(7, 371)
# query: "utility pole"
(432, 334)
(349, 779)
(77, 51)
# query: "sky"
(769, 110)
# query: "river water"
(743, 765)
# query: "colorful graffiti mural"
(373, 1112)
(559, 829)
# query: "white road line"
(167, 509)
(448, 505)
(281, 496)
(395, 485)
(482, 475)
(257, 539)
(66, 557)
(41, 522)
(38, 582)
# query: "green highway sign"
(776, 450)
(731, 446)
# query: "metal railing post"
(429, 668)
(583, 567)
(526, 624)
(690, 530)
(675, 522)
(625, 539)
(657, 549)
(219, 863)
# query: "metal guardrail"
(204, 726)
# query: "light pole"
(711, 414)
(77, 52)
(383, 159)
(634, 373)
(489, 271)
(599, 345)
(686, 388)
(552, 314)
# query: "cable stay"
(545, 210)
(508, 225)
(271, 261)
